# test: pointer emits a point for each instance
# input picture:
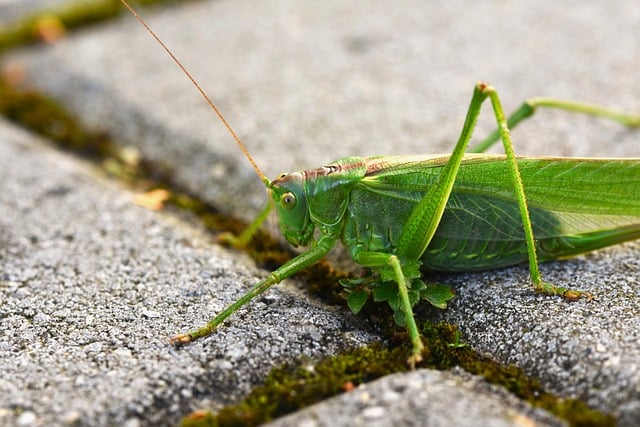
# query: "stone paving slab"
(584, 350)
(305, 84)
(423, 397)
(92, 287)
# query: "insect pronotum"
(402, 214)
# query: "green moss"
(513, 378)
(290, 388)
(205, 212)
(293, 387)
(44, 116)
(29, 30)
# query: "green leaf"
(385, 291)
(395, 303)
(356, 300)
(400, 319)
(351, 283)
(437, 294)
(411, 269)
(417, 285)
(386, 273)
(414, 297)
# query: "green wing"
(576, 205)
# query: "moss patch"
(293, 387)
(44, 116)
(513, 378)
(47, 26)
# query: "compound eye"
(288, 200)
(282, 175)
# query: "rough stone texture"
(422, 397)
(584, 350)
(92, 287)
(304, 84)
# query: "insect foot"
(205, 330)
(180, 340)
(573, 295)
(566, 293)
(413, 360)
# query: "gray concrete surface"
(584, 350)
(93, 286)
(304, 84)
(422, 397)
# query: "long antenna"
(204, 95)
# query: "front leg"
(323, 246)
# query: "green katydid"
(458, 212)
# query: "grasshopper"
(465, 211)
